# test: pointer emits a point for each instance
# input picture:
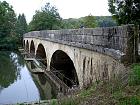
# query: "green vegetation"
(21, 28)
(7, 22)
(125, 11)
(89, 22)
(9, 25)
(46, 19)
(134, 78)
(71, 23)
(105, 21)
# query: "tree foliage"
(7, 25)
(125, 11)
(21, 24)
(105, 21)
(21, 27)
(11, 27)
(47, 18)
(71, 23)
(89, 21)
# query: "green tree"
(105, 21)
(7, 25)
(89, 21)
(125, 11)
(71, 23)
(47, 18)
(21, 27)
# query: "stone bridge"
(84, 55)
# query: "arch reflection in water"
(47, 88)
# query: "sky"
(66, 8)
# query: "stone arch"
(27, 46)
(62, 65)
(32, 48)
(41, 54)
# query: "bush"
(130, 101)
(134, 78)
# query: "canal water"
(18, 84)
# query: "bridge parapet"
(118, 42)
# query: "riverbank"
(122, 90)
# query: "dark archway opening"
(32, 49)
(24, 44)
(41, 55)
(27, 46)
(63, 67)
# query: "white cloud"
(66, 8)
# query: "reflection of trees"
(9, 68)
(20, 60)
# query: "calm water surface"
(18, 85)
